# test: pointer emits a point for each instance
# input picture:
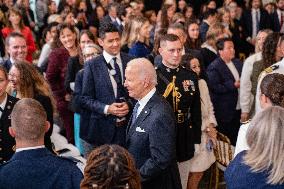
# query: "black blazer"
(7, 64)
(151, 140)
(72, 68)
(246, 22)
(7, 142)
(275, 21)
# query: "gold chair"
(223, 152)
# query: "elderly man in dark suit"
(17, 49)
(34, 166)
(151, 133)
(103, 93)
(224, 82)
(7, 103)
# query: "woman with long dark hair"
(27, 82)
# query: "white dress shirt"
(115, 20)
(236, 75)
(246, 97)
(29, 148)
(143, 101)
(109, 60)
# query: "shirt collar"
(3, 104)
(143, 101)
(29, 148)
(109, 57)
(12, 60)
(255, 10)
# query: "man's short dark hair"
(209, 12)
(176, 26)
(13, 35)
(168, 37)
(114, 4)
(107, 28)
(28, 118)
(221, 43)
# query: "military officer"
(275, 68)
(180, 87)
(7, 142)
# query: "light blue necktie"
(134, 113)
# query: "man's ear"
(47, 126)
(12, 132)
(160, 50)
(101, 42)
(7, 49)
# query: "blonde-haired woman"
(139, 36)
(262, 165)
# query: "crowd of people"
(141, 88)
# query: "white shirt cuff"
(105, 110)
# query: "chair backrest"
(224, 150)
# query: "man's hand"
(244, 117)
(118, 109)
(237, 84)
(211, 131)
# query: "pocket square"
(138, 129)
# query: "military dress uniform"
(180, 87)
(275, 68)
(7, 142)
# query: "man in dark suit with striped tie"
(103, 94)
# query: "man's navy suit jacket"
(224, 94)
(151, 140)
(7, 64)
(97, 92)
(39, 168)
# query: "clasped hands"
(118, 109)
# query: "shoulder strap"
(165, 80)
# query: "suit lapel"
(104, 70)
(226, 69)
(146, 111)
(238, 67)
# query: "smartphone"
(209, 145)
